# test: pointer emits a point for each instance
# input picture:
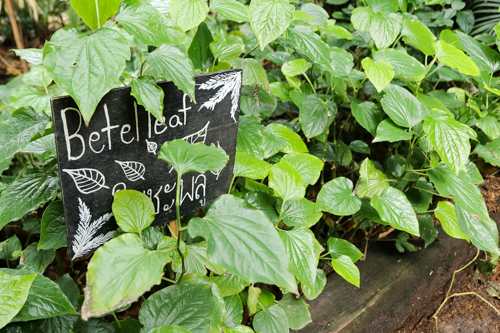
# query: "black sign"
(119, 150)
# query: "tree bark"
(18, 36)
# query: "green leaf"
(402, 243)
(199, 52)
(119, 272)
(37, 76)
(281, 90)
(335, 31)
(253, 72)
(390, 6)
(379, 72)
(450, 139)
(272, 319)
(93, 325)
(344, 267)
(483, 56)
(293, 142)
(342, 61)
(465, 20)
(368, 115)
(18, 130)
(229, 285)
(13, 293)
(462, 189)
(418, 35)
(134, 211)
(86, 67)
(234, 311)
(420, 196)
(145, 22)
(308, 166)
(198, 157)
(337, 197)
(445, 213)
(384, 29)
(250, 167)
(395, 210)
(405, 66)
(53, 230)
(188, 14)
(297, 311)
(396, 165)
(129, 325)
(265, 202)
(295, 67)
(300, 213)
(8, 248)
(252, 299)
(69, 288)
(402, 107)
(371, 181)
(269, 19)
(45, 147)
(30, 97)
(231, 9)
(250, 138)
(319, 285)
(427, 230)
(483, 233)
(286, 181)
(34, 56)
(190, 306)
(37, 260)
(150, 95)
(169, 329)
(360, 147)
(45, 298)
(312, 46)
(231, 222)
(299, 245)
(27, 194)
(272, 144)
(174, 65)
(314, 114)
(455, 58)
(227, 48)
(489, 152)
(95, 13)
(490, 126)
(340, 247)
(318, 14)
(361, 18)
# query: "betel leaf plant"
(360, 121)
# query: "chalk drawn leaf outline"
(193, 138)
(87, 180)
(152, 146)
(133, 170)
(230, 82)
(84, 241)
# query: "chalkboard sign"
(119, 150)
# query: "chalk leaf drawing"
(85, 241)
(152, 146)
(199, 136)
(87, 180)
(229, 82)
(218, 172)
(133, 170)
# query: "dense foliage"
(354, 117)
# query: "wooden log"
(397, 290)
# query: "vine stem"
(281, 212)
(231, 185)
(178, 211)
(310, 83)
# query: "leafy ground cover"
(354, 117)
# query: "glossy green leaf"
(388, 131)
(17, 131)
(293, 142)
(234, 311)
(95, 13)
(31, 97)
(9, 247)
(295, 67)
(231, 222)
(13, 293)
(129, 325)
(263, 201)
(199, 52)
(361, 18)
(53, 230)
(450, 139)
(45, 147)
(337, 197)
(299, 245)
(344, 267)
(249, 166)
(485, 57)
(483, 233)
(100, 60)
(229, 285)
(250, 139)
(119, 272)
(173, 64)
(360, 147)
(368, 115)
(420, 196)
(300, 213)
(286, 182)
(455, 58)
(308, 166)
(37, 76)
(489, 152)
(227, 48)
(405, 66)
(34, 56)
(198, 157)
(27, 194)
(490, 126)
(188, 14)
(402, 107)
(133, 210)
(253, 72)
(371, 181)
(297, 311)
(69, 288)
(418, 35)
(145, 22)
(231, 9)
(150, 95)
(281, 90)
(395, 210)
(269, 19)
(379, 72)
(427, 230)
(335, 31)
(252, 299)
(384, 29)
(314, 114)
(272, 319)
(402, 243)
(445, 213)
(169, 329)
(340, 247)
(319, 285)
(37, 260)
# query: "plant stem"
(231, 185)
(281, 212)
(310, 83)
(116, 319)
(168, 280)
(178, 211)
